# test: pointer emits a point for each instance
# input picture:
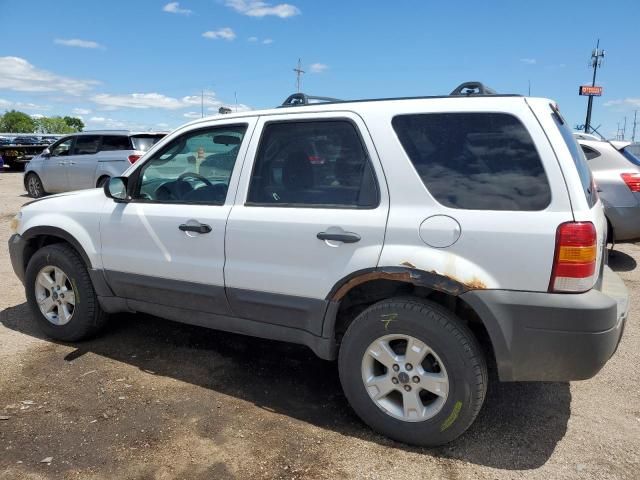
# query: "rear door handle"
(200, 228)
(346, 237)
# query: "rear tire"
(431, 401)
(61, 296)
(33, 185)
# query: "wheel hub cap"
(405, 378)
(55, 295)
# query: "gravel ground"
(158, 400)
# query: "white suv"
(415, 240)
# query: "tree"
(17, 122)
(53, 125)
(75, 123)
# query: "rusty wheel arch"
(407, 274)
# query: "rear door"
(311, 209)
(82, 163)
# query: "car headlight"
(15, 222)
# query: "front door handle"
(200, 228)
(71, 163)
(345, 237)
(62, 163)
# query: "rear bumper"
(625, 222)
(553, 337)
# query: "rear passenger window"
(475, 161)
(86, 145)
(115, 142)
(316, 163)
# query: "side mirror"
(46, 153)
(116, 188)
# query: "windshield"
(635, 159)
(145, 142)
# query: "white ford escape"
(415, 240)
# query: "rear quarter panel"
(496, 249)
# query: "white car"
(392, 235)
(85, 160)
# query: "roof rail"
(472, 88)
(298, 99)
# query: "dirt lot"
(158, 400)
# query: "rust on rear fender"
(408, 274)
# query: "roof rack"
(472, 88)
(303, 99)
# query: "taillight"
(632, 180)
(133, 158)
(316, 160)
(574, 264)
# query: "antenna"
(633, 135)
(299, 73)
(596, 62)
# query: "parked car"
(470, 233)
(26, 141)
(5, 141)
(85, 160)
(618, 181)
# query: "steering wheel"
(195, 175)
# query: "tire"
(33, 185)
(454, 354)
(102, 180)
(87, 318)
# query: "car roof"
(351, 105)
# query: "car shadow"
(621, 262)
(517, 429)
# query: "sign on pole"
(589, 90)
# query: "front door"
(55, 166)
(310, 210)
(166, 246)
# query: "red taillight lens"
(133, 158)
(574, 264)
(632, 180)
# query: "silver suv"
(85, 160)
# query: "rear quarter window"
(475, 160)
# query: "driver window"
(61, 149)
(193, 168)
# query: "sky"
(143, 64)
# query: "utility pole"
(529, 89)
(624, 129)
(635, 117)
(202, 104)
(299, 73)
(596, 61)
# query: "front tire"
(61, 295)
(33, 185)
(413, 371)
